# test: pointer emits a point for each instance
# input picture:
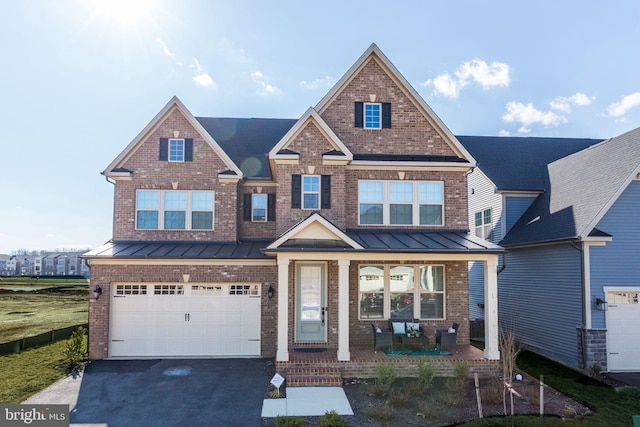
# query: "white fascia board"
(291, 233)
(174, 103)
(394, 165)
(594, 222)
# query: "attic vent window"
(372, 115)
(176, 150)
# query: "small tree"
(75, 353)
(509, 350)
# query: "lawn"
(61, 303)
(23, 375)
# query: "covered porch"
(347, 342)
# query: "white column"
(491, 330)
(343, 310)
(282, 353)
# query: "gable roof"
(581, 189)
(247, 141)
(519, 164)
(374, 53)
(314, 231)
(115, 168)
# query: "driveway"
(172, 392)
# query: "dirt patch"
(446, 402)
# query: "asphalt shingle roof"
(519, 164)
(580, 189)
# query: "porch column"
(491, 330)
(343, 310)
(282, 353)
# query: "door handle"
(324, 309)
(186, 317)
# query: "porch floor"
(365, 360)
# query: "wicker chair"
(383, 338)
(446, 338)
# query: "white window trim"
(364, 115)
(417, 290)
(386, 204)
(483, 225)
(319, 192)
(181, 140)
(189, 210)
(266, 207)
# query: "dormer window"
(372, 115)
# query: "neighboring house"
(566, 210)
(252, 237)
(4, 261)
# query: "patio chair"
(381, 338)
(446, 338)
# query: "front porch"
(324, 368)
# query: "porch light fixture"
(601, 304)
(97, 291)
(270, 292)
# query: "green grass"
(43, 280)
(23, 375)
(611, 407)
(24, 314)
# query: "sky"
(80, 79)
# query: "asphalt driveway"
(185, 392)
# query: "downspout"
(504, 263)
(584, 308)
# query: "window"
(244, 290)
(176, 150)
(483, 224)
(131, 289)
(310, 192)
(258, 207)
(400, 203)
(401, 291)
(372, 116)
(174, 210)
(168, 290)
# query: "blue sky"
(80, 79)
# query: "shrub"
(426, 373)
(387, 374)
(398, 399)
(288, 421)
(381, 413)
(331, 419)
(377, 390)
(75, 352)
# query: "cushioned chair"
(381, 338)
(446, 338)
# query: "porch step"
(313, 377)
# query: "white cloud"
(619, 109)
(317, 83)
(204, 79)
(165, 49)
(487, 75)
(527, 115)
(504, 132)
(563, 103)
(267, 89)
(474, 71)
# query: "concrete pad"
(308, 401)
(62, 392)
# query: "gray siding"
(482, 195)
(617, 263)
(514, 208)
(540, 299)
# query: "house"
(566, 211)
(258, 237)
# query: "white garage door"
(157, 320)
(623, 330)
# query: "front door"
(310, 303)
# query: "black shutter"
(358, 113)
(325, 193)
(188, 150)
(386, 115)
(246, 209)
(296, 191)
(271, 207)
(164, 149)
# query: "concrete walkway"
(308, 401)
